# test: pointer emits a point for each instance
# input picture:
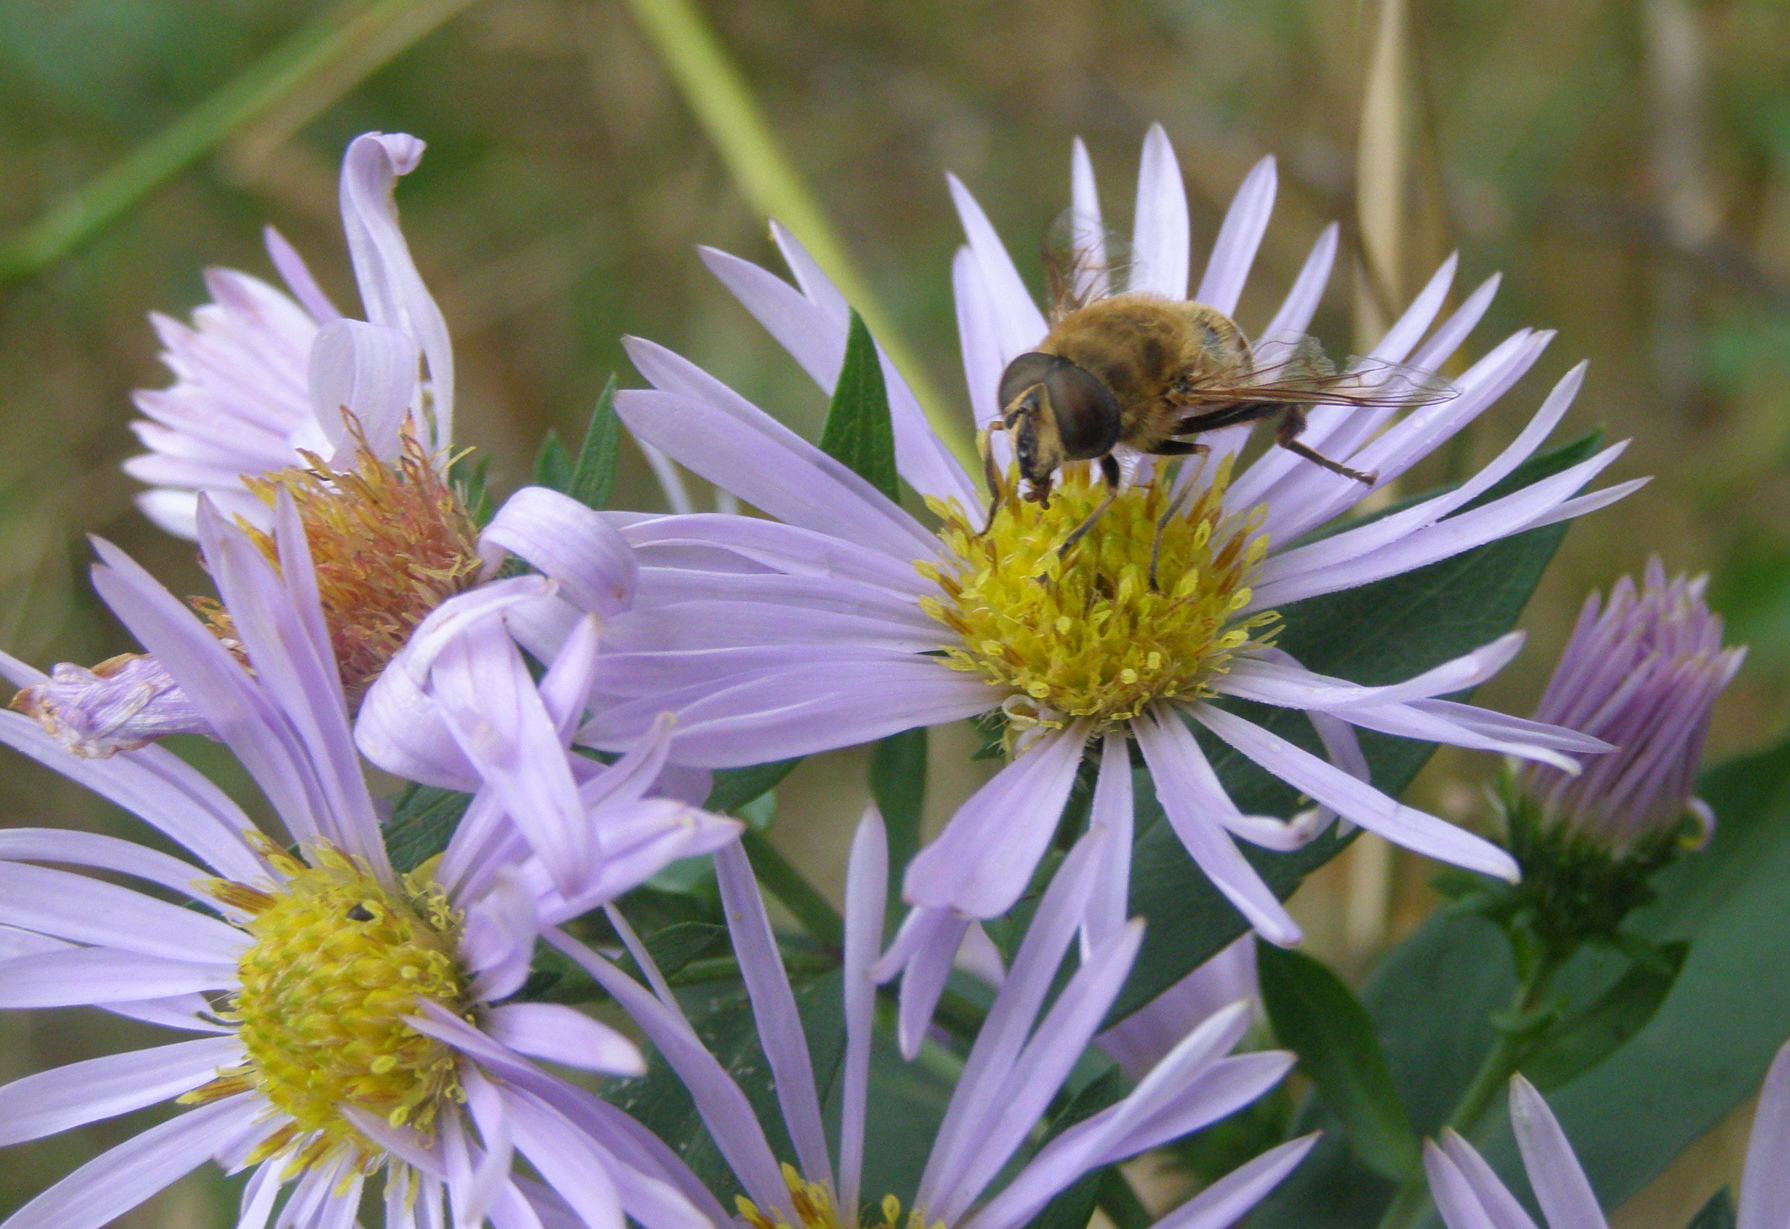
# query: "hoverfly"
(1143, 371)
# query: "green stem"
(1120, 1202)
(1494, 1073)
(786, 883)
(717, 92)
(78, 219)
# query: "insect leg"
(997, 490)
(1292, 422)
(1229, 416)
(1179, 448)
(1168, 514)
(1109, 470)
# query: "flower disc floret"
(337, 963)
(390, 540)
(1089, 633)
(813, 1204)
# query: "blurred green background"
(1626, 165)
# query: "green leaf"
(553, 464)
(1703, 1052)
(1376, 633)
(858, 430)
(1710, 1042)
(1718, 1213)
(650, 909)
(734, 788)
(423, 821)
(594, 473)
(898, 784)
(473, 477)
(1331, 1189)
(723, 1020)
(1579, 1044)
(1073, 1208)
(674, 947)
(1318, 1017)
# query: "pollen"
(1094, 631)
(336, 963)
(390, 541)
(814, 1209)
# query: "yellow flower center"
(338, 961)
(390, 541)
(1090, 633)
(813, 1203)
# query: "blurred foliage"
(1624, 163)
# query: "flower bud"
(1642, 673)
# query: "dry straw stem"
(1381, 170)
(718, 94)
(1382, 165)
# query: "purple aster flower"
(346, 1017)
(262, 375)
(1470, 1196)
(845, 619)
(1642, 672)
(1020, 1059)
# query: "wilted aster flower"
(1020, 1059)
(390, 547)
(1470, 1196)
(262, 376)
(851, 620)
(1642, 672)
(274, 397)
(350, 1014)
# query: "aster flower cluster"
(539, 983)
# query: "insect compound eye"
(1087, 414)
(1026, 371)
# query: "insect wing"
(1298, 372)
(1083, 261)
(1290, 360)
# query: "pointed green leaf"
(553, 464)
(674, 947)
(472, 477)
(1075, 1205)
(1319, 1018)
(898, 784)
(594, 473)
(423, 821)
(734, 788)
(1703, 1052)
(1718, 1213)
(723, 1019)
(859, 431)
(1588, 1038)
(1708, 1046)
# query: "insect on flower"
(1132, 368)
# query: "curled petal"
(363, 376)
(569, 542)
